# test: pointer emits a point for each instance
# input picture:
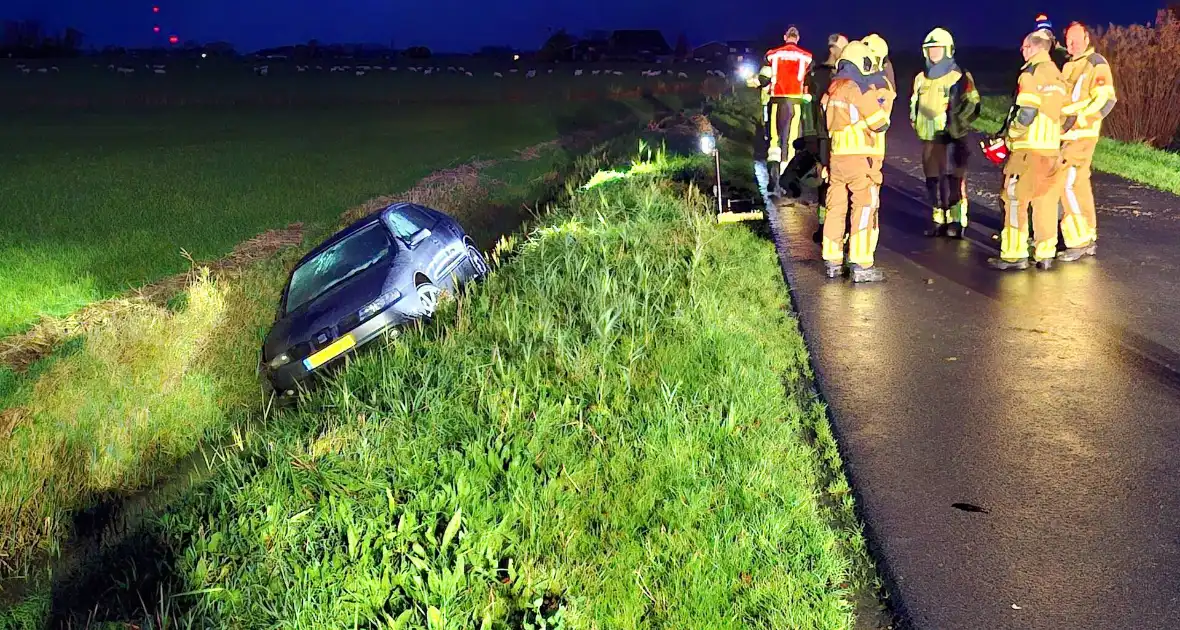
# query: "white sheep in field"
(42, 70)
(462, 69)
(618, 74)
(24, 70)
(595, 73)
(429, 71)
(531, 74)
(360, 73)
(160, 71)
(376, 67)
(468, 73)
(682, 75)
(319, 67)
(550, 70)
(111, 66)
(126, 70)
(450, 68)
(393, 68)
(514, 70)
(498, 75)
(578, 72)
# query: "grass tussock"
(611, 432)
(1137, 161)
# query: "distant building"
(587, 51)
(712, 51)
(638, 45)
(741, 50)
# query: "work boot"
(818, 235)
(938, 229)
(1091, 249)
(1071, 254)
(955, 230)
(773, 185)
(1005, 265)
(833, 270)
(1045, 265)
(866, 274)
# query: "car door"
(426, 250)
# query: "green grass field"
(1135, 161)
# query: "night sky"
(458, 25)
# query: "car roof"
(362, 223)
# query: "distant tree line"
(30, 39)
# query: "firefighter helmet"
(940, 37)
(878, 50)
(859, 55)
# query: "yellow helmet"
(878, 49)
(859, 55)
(940, 37)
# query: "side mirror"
(418, 237)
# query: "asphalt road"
(1013, 438)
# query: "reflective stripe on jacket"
(1036, 126)
(946, 104)
(1091, 94)
(789, 65)
(856, 119)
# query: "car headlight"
(378, 305)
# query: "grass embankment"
(614, 430)
(1138, 162)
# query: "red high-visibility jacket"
(788, 70)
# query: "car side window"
(406, 222)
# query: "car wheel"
(477, 262)
(428, 297)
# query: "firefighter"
(761, 82)
(788, 95)
(818, 81)
(1091, 97)
(1034, 136)
(856, 121)
(943, 105)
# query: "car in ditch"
(381, 272)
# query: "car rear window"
(353, 254)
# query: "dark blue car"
(386, 269)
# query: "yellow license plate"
(338, 347)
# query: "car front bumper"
(286, 379)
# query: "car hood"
(327, 310)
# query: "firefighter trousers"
(784, 117)
(946, 188)
(855, 178)
(1030, 179)
(1079, 221)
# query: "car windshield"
(338, 263)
